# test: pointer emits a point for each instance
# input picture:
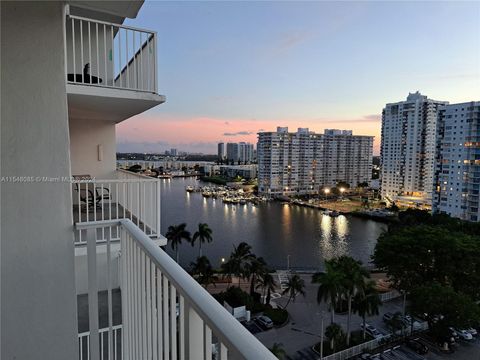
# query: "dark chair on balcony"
(89, 193)
(85, 78)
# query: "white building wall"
(93, 148)
(38, 303)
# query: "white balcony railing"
(166, 314)
(128, 197)
(110, 55)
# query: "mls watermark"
(42, 179)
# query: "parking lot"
(304, 329)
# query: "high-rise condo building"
(458, 161)
(241, 151)
(408, 146)
(221, 153)
(245, 152)
(304, 162)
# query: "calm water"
(272, 229)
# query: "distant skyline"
(231, 69)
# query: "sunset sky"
(231, 69)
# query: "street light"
(326, 191)
(321, 336)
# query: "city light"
(327, 191)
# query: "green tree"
(266, 283)
(203, 235)
(295, 286)
(353, 280)
(396, 323)
(366, 303)
(175, 234)
(278, 350)
(202, 271)
(444, 307)
(330, 288)
(335, 334)
(253, 268)
(238, 260)
(428, 253)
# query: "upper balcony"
(111, 69)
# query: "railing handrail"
(102, 330)
(228, 330)
(152, 32)
(141, 176)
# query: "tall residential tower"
(408, 145)
(304, 162)
(458, 161)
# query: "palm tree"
(295, 286)
(175, 234)
(203, 235)
(203, 272)
(334, 333)
(239, 258)
(353, 280)
(330, 287)
(253, 268)
(366, 303)
(278, 350)
(266, 283)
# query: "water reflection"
(273, 230)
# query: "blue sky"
(230, 67)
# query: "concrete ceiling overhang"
(105, 104)
(112, 11)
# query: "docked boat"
(190, 188)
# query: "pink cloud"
(164, 128)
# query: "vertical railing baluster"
(113, 56)
(149, 71)
(181, 321)
(148, 300)
(81, 50)
(208, 342)
(144, 215)
(154, 294)
(89, 53)
(173, 321)
(105, 55)
(134, 60)
(119, 57)
(132, 299)
(74, 72)
(143, 305)
(166, 340)
(98, 58)
(137, 304)
(140, 72)
(223, 351)
(109, 295)
(92, 293)
(159, 314)
(126, 59)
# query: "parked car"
(417, 346)
(464, 334)
(387, 316)
(472, 331)
(453, 333)
(407, 320)
(265, 321)
(370, 330)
